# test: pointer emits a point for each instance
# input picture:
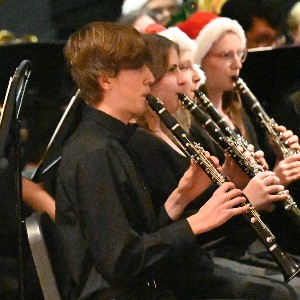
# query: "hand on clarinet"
(288, 168)
(287, 141)
(256, 157)
(226, 202)
(264, 189)
(287, 135)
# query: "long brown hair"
(232, 106)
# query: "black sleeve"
(113, 223)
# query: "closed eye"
(173, 68)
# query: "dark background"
(54, 19)
(49, 87)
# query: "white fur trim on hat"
(212, 32)
(131, 5)
(178, 36)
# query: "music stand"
(10, 130)
(66, 126)
(271, 73)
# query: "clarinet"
(206, 105)
(227, 144)
(288, 267)
(267, 123)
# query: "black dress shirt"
(104, 212)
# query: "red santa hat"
(212, 32)
(154, 28)
(194, 24)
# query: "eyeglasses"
(229, 56)
(161, 12)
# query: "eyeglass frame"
(231, 55)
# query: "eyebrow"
(185, 61)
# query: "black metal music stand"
(10, 131)
(66, 126)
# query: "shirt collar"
(116, 127)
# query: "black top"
(162, 167)
(104, 212)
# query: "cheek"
(171, 100)
(214, 69)
(165, 96)
(166, 90)
(167, 87)
(191, 83)
(188, 77)
(215, 76)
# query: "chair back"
(47, 256)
